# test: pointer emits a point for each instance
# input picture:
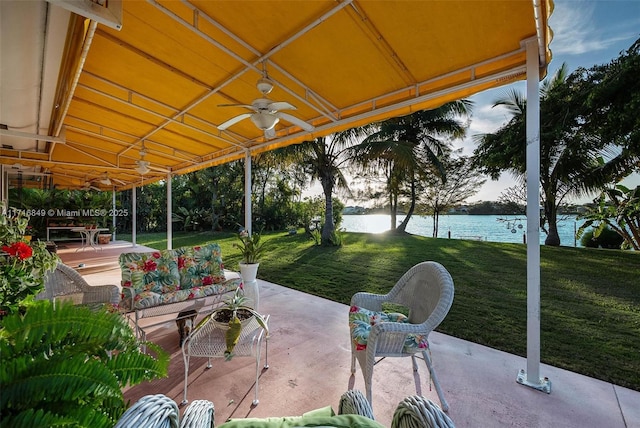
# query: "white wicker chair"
(418, 412)
(427, 291)
(199, 414)
(65, 282)
(151, 411)
(160, 411)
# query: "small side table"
(208, 340)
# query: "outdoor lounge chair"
(159, 411)
(65, 283)
(426, 290)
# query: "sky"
(585, 33)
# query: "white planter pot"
(248, 272)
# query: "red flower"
(353, 309)
(207, 280)
(181, 262)
(20, 250)
(156, 255)
(150, 265)
(196, 248)
(127, 284)
(360, 347)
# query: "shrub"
(606, 239)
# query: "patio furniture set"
(159, 411)
(171, 281)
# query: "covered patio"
(309, 359)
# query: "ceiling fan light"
(265, 85)
(143, 167)
(264, 121)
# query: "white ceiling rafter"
(260, 57)
(173, 119)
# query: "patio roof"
(84, 100)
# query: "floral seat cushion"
(170, 276)
(361, 320)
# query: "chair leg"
(434, 378)
(353, 359)
(186, 378)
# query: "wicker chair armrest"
(101, 294)
(199, 414)
(418, 412)
(151, 411)
(353, 402)
(370, 301)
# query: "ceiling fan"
(142, 166)
(88, 185)
(266, 113)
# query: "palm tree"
(409, 147)
(567, 155)
(323, 159)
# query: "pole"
(134, 215)
(169, 214)
(247, 191)
(532, 375)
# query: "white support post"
(531, 377)
(134, 215)
(169, 214)
(247, 191)
(113, 217)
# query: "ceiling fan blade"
(233, 121)
(236, 105)
(281, 105)
(295, 121)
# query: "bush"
(606, 239)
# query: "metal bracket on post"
(544, 385)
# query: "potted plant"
(251, 248)
(233, 316)
(105, 237)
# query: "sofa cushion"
(361, 320)
(170, 276)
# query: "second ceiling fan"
(266, 112)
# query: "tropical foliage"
(65, 365)
(618, 209)
(250, 246)
(23, 264)
(567, 153)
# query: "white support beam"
(113, 218)
(247, 191)
(169, 214)
(134, 215)
(531, 377)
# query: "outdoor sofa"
(171, 281)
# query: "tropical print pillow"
(361, 320)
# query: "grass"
(590, 298)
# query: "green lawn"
(590, 299)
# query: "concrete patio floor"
(309, 358)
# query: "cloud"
(588, 27)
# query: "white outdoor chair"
(65, 283)
(427, 291)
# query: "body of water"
(477, 227)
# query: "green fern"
(56, 369)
